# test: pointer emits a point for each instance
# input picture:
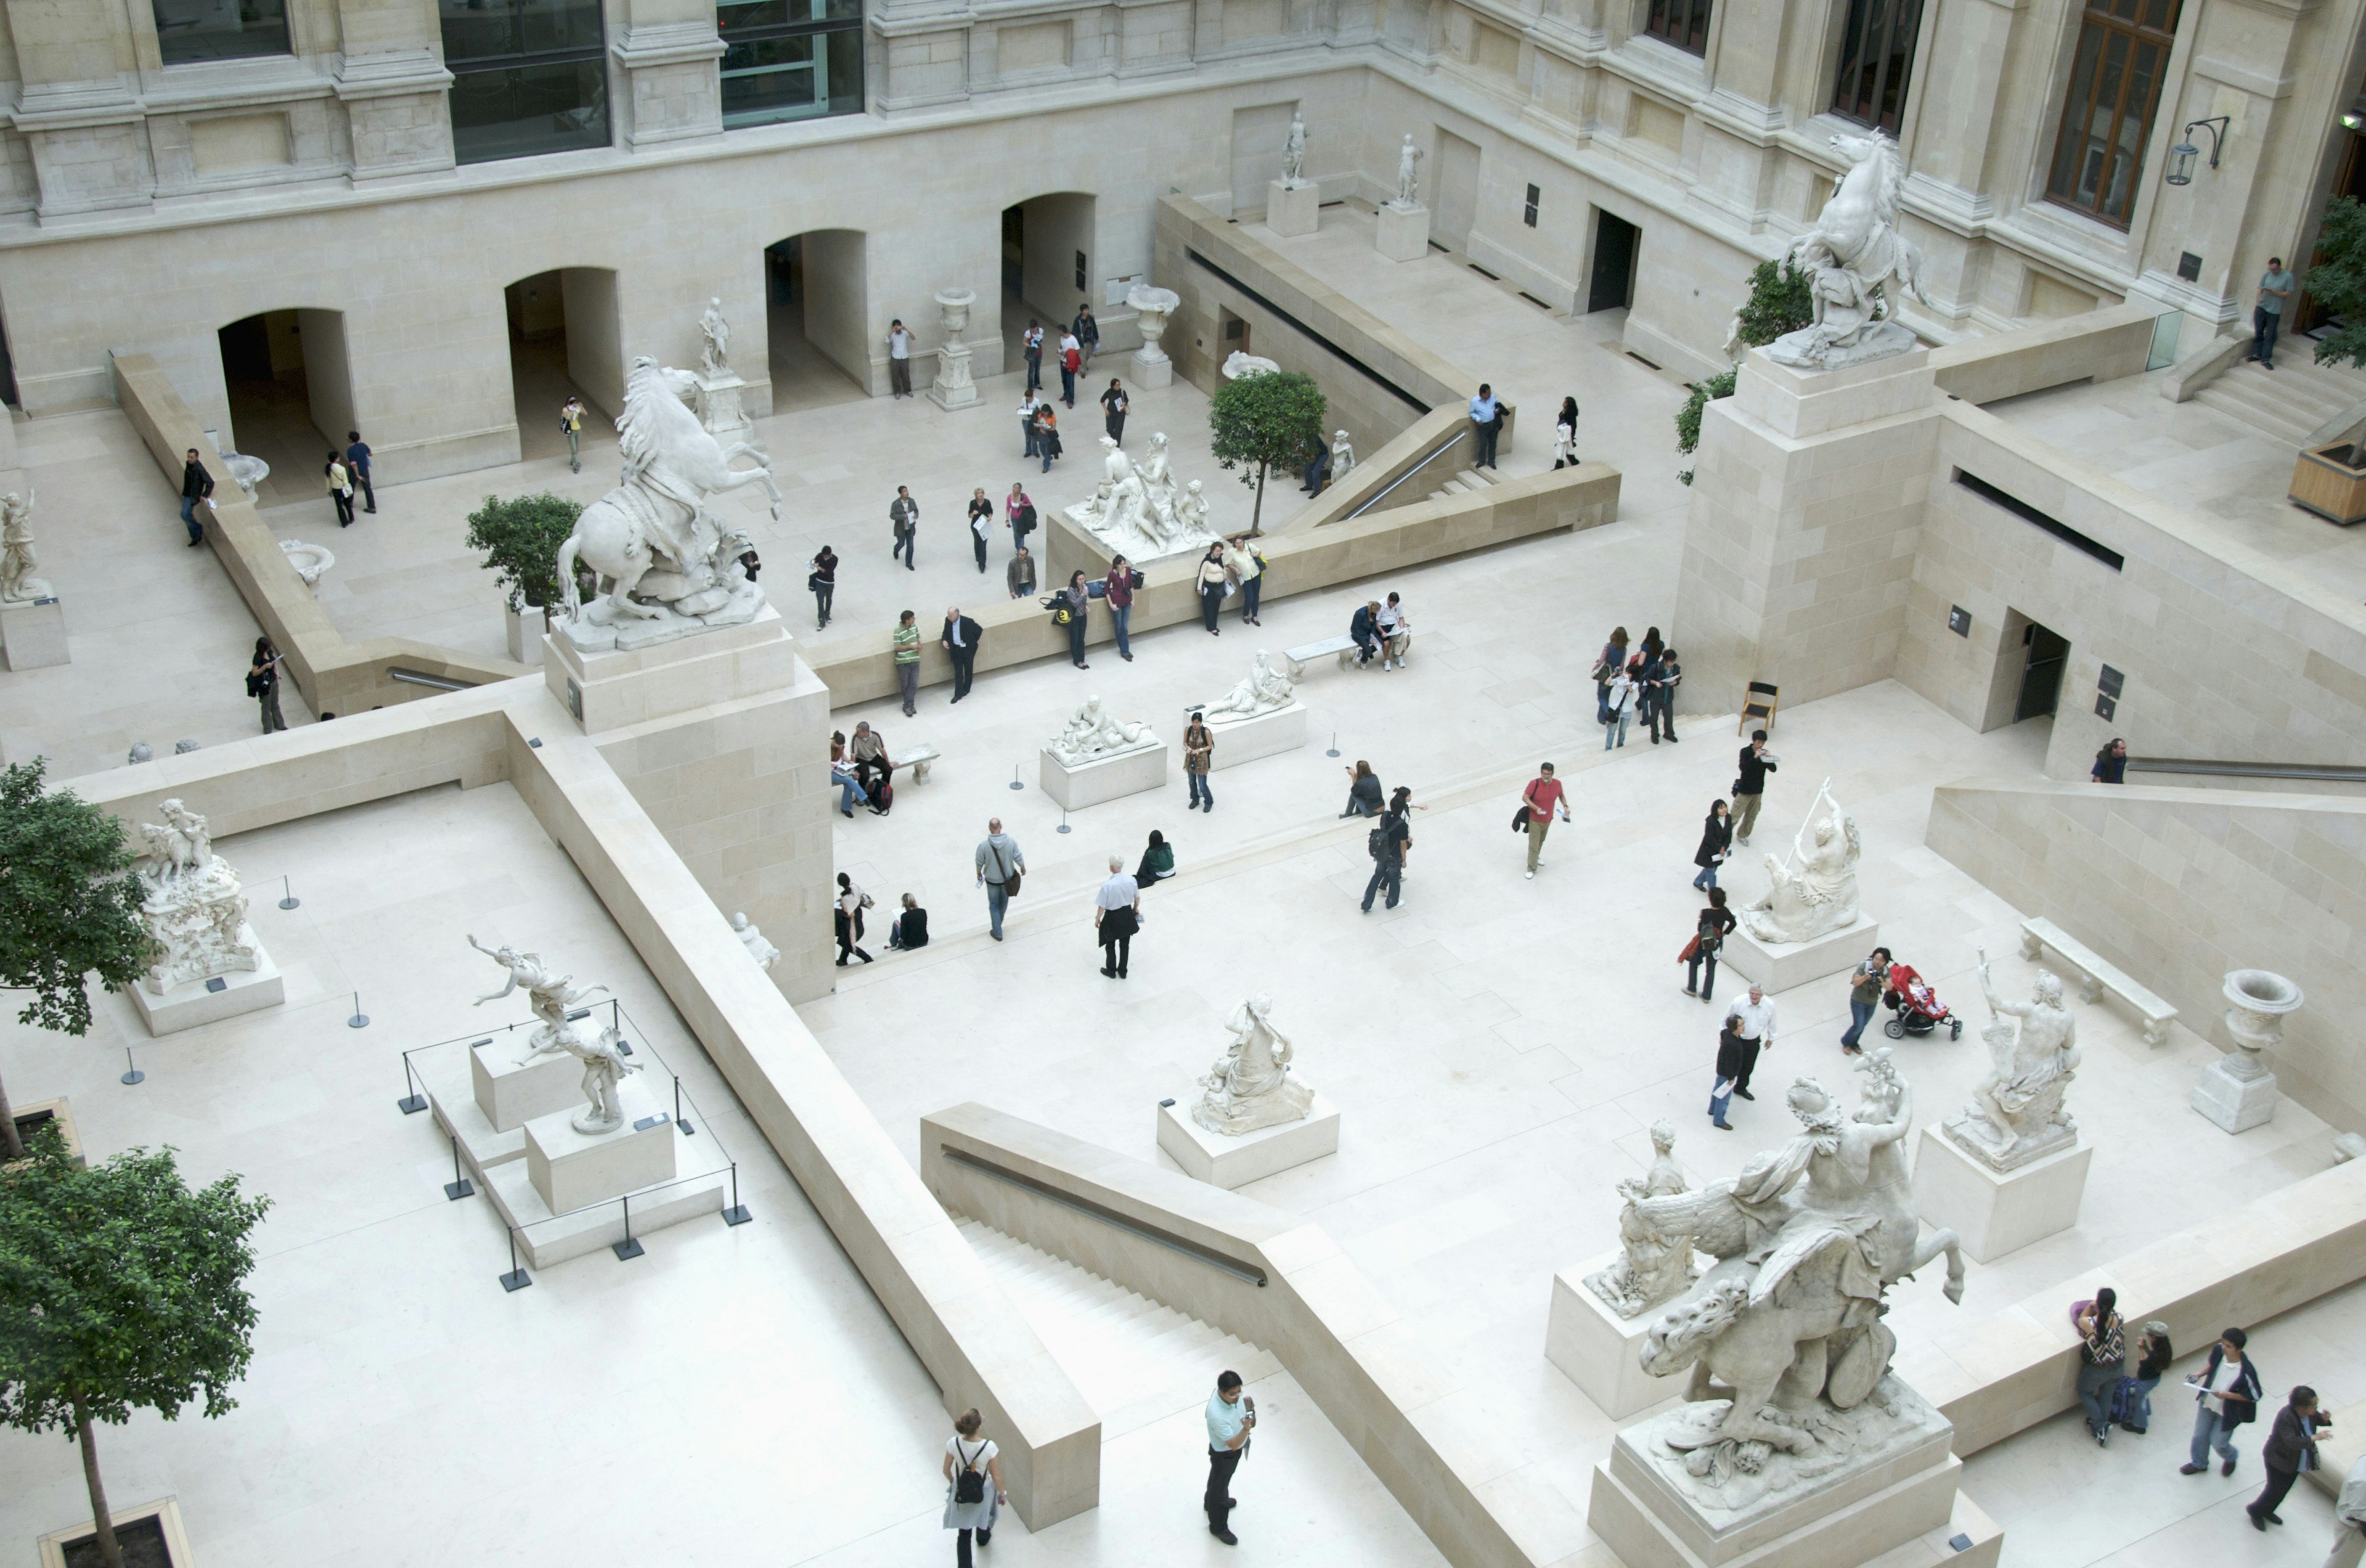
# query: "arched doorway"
(290, 396)
(564, 339)
(1047, 269)
(818, 319)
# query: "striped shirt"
(907, 644)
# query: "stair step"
(1453, 487)
(1473, 478)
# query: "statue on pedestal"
(1408, 182)
(1294, 152)
(550, 996)
(192, 906)
(1092, 733)
(1820, 894)
(598, 1046)
(1855, 256)
(1657, 1263)
(1262, 690)
(1343, 455)
(1250, 1086)
(753, 939)
(17, 583)
(1135, 510)
(714, 348)
(2016, 1115)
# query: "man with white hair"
(1117, 914)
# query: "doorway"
(2041, 672)
(1616, 241)
(816, 325)
(1047, 269)
(564, 341)
(1454, 203)
(1232, 335)
(290, 395)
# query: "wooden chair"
(1757, 707)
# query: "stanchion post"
(287, 899)
(459, 1187)
(737, 1213)
(131, 1073)
(414, 1102)
(679, 1120)
(628, 1248)
(360, 1018)
(517, 1279)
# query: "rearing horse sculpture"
(1853, 254)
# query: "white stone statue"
(1855, 259)
(1151, 308)
(1262, 690)
(17, 583)
(551, 996)
(598, 1046)
(1092, 733)
(1237, 365)
(2016, 1114)
(193, 906)
(1343, 455)
(1818, 895)
(1135, 510)
(1294, 152)
(668, 567)
(1250, 1086)
(953, 386)
(1408, 182)
(753, 938)
(1657, 1263)
(1191, 515)
(1808, 1239)
(715, 342)
(140, 752)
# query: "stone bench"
(2099, 975)
(1345, 646)
(919, 759)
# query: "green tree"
(2337, 281)
(69, 905)
(521, 538)
(1778, 302)
(1268, 421)
(121, 1289)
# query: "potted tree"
(121, 1289)
(69, 906)
(2330, 480)
(1268, 420)
(1778, 302)
(520, 537)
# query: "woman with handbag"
(851, 901)
(1069, 608)
(341, 490)
(822, 579)
(1247, 568)
(1213, 582)
(1716, 843)
(1708, 940)
(1019, 511)
(973, 1490)
(1613, 659)
(2102, 1352)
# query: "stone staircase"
(1134, 1361)
(2290, 402)
(1464, 483)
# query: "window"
(789, 59)
(219, 30)
(2107, 111)
(1877, 58)
(528, 76)
(1684, 23)
(1529, 208)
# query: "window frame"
(1679, 24)
(286, 48)
(2098, 18)
(820, 29)
(1895, 124)
(593, 54)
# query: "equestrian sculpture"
(1855, 260)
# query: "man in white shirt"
(899, 358)
(1117, 911)
(1752, 1019)
(1231, 1419)
(1486, 422)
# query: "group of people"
(1074, 349)
(347, 472)
(1382, 631)
(909, 930)
(1641, 684)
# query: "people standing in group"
(960, 639)
(821, 577)
(1617, 708)
(1117, 914)
(570, 423)
(357, 463)
(1087, 333)
(1486, 424)
(1662, 708)
(2154, 1354)
(2227, 1395)
(1710, 928)
(1117, 593)
(1245, 568)
(1047, 435)
(1114, 407)
(1365, 796)
(910, 930)
(908, 661)
(1018, 511)
(2290, 1447)
(981, 524)
(842, 773)
(1751, 1020)
(1613, 659)
(1030, 349)
(999, 866)
(1019, 575)
(1750, 785)
(974, 1489)
(2110, 763)
(340, 489)
(903, 519)
(1866, 982)
(1387, 844)
(1543, 797)
(872, 766)
(899, 358)
(1211, 582)
(1158, 861)
(850, 900)
(2102, 1353)
(1070, 606)
(1717, 843)
(263, 683)
(1565, 435)
(1231, 1420)
(1198, 755)
(1072, 359)
(1396, 633)
(2276, 286)
(197, 488)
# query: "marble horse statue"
(1855, 259)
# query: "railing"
(415, 678)
(2322, 772)
(1448, 444)
(1237, 1267)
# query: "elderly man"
(960, 640)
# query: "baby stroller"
(1918, 1006)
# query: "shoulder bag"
(1010, 876)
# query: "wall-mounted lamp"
(2354, 116)
(2182, 156)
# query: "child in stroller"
(1918, 1006)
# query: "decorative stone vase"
(2237, 1092)
(953, 387)
(1153, 306)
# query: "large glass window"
(528, 76)
(2108, 107)
(789, 59)
(1877, 58)
(1684, 23)
(219, 30)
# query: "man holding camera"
(1231, 1417)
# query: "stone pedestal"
(1104, 778)
(1404, 232)
(1594, 1346)
(608, 688)
(513, 1087)
(1996, 1212)
(1224, 1161)
(195, 1002)
(953, 389)
(572, 1169)
(1778, 966)
(718, 404)
(2235, 1093)
(1242, 740)
(1291, 210)
(33, 634)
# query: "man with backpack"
(1387, 844)
(1538, 803)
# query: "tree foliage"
(2337, 281)
(520, 537)
(1778, 302)
(69, 902)
(1263, 422)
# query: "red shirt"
(1542, 795)
(1119, 590)
(1073, 358)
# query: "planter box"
(2323, 482)
(42, 1112)
(142, 1532)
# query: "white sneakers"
(1532, 877)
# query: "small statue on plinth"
(2017, 1115)
(17, 583)
(1657, 1263)
(1250, 1086)
(753, 938)
(1408, 182)
(1817, 894)
(1262, 690)
(1090, 732)
(715, 348)
(1294, 152)
(599, 1047)
(193, 907)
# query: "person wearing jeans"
(2291, 1447)
(2102, 1352)
(1542, 797)
(1486, 423)
(998, 859)
(1117, 591)
(1198, 751)
(1715, 923)
(2227, 1395)
(1618, 707)
(1716, 843)
(196, 485)
(2153, 1356)
(1388, 864)
(2268, 315)
(1865, 994)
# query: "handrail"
(416, 678)
(1168, 1239)
(2327, 773)
(1452, 441)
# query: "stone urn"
(953, 304)
(1152, 305)
(953, 387)
(2237, 1092)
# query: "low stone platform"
(196, 1002)
(1266, 734)
(1595, 1347)
(1222, 1160)
(1103, 778)
(1996, 1212)
(1778, 966)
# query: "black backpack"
(969, 1486)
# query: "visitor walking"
(1117, 593)
(1157, 861)
(1030, 348)
(908, 661)
(1750, 785)
(340, 489)
(1713, 925)
(1565, 435)
(570, 422)
(910, 929)
(899, 358)
(1231, 1420)
(196, 485)
(974, 1489)
(1245, 568)
(1070, 608)
(1198, 754)
(1543, 797)
(842, 775)
(1728, 1077)
(2227, 1395)
(1717, 843)
(2102, 1355)
(1750, 1019)
(981, 524)
(2111, 763)
(874, 767)
(357, 463)
(1047, 435)
(2290, 1447)
(1027, 419)
(960, 639)
(1117, 911)
(1663, 698)
(2350, 1520)
(1387, 844)
(1019, 575)
(1486, 424)
(904, 518)
(1087, 333)
(1018, 511)
(1212, 582)
(1365, 796)
(999, 865)
(1072, 359)
(1113, 408)
(2268, 316)
(822, 579)
(263, 683)
(851, 901)
(2154, 1354)
(1613, 659)
(1617, 707)
(1865, 983)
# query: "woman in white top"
(966, 1453)
(1618, 702)
(1565, 435)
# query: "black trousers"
(979, 540)
(1211, 601)
(1116, 423)
(821, 602)
(1748, 1060)
(1115, 953)
(1692, 978)
(1221, 1462)
(369, 492)
(2272, 1495)
(965, 666)
(1389, 875)
(1077, 640)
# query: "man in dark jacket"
(357, 461)
(2226, 1397)
(1389, 843)
(1365, 627)
(1750, 786)
(195, 486)
(959, 639)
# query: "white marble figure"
(1819, 895)
(1657, 1263)
(2016, 1115)
(1135, 510)
(751, 937)
(668, 566)
(1092, 733)
(1343, 455)
(1262, 690)
(1191, 515)
(1856, 260)
(1788, 1320)
(550, 996)
(17, 583)
(1294, 152)
(1250, 1086)
(1237, 365)
(715, 342)
(1408, 181)
(598, 1046)
(192, 905)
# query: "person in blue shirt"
(1486, 423)
(1231, 1419)
(358, 459)
(2111, 763)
